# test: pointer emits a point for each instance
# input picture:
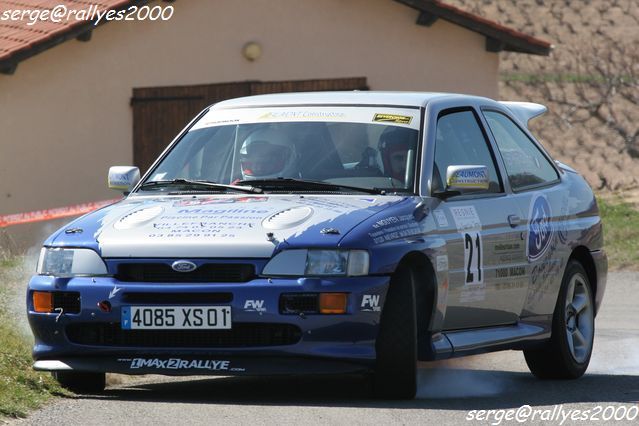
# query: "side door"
(543, 203)
(486, 253)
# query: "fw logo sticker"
(370, 303)
(254, 306)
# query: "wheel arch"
(425, 292)
(582, 255)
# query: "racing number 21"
(473, 258)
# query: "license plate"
(176, 317)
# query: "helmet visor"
(263, 158)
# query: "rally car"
(347, 232)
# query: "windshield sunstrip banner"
(402, 117)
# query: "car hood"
(221, 225)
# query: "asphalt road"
(449, 390)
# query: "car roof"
(522, 111)
(409, 99)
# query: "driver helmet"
(268, 154)
(394, 144)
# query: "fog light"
(43, 301)
(333, 303)
(105, 306)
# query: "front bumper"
(324, 343)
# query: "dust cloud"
(457, 378)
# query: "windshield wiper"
(302, 184)
(199, 185)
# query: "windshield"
(349, 146)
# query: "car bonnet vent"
(138, 217)
(288, 218)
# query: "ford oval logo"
(183, 266)
(540, 229)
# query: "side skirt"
(450, 344)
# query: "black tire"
(81, 382)
(555, 360)
(396, 365)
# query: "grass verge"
(21, 388)
(621, 233)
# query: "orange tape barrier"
(49, 214)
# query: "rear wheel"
(396, 347)
(81, 382)
(567, 355)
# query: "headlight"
(313, 262)
(66, 263)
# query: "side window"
(525, 164)
(461, 142)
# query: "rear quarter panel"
(575, 222)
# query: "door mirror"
(123, 178)
(465, 179)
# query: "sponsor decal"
(180, 364)
(395, 116)
(120, 179)
(473, 293)
(221, 211)
(394, 227)
(508, 251)
(212, 122)
(512, 285)
(513, 271)
(392, 118)
(440, 218)
(370, 303)
(254, 306)
(469, 177)
(506, 247)
(540, 228)
(298, 115)
(442, 263)
(218, 200)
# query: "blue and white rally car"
(328, 233)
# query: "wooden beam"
(9, 68)
(511, 42)
(494, 45)
(85, 36)
(426, 19)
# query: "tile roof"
(498, 37)
(22, 39)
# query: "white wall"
(65, 114)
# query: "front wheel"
(396, 347)
(81, 382)
(567, 355)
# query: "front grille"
(68, 301)
(207, 273)
(240, 336)
(176, 298)
(297, 303)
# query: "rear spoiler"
(525, 111)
